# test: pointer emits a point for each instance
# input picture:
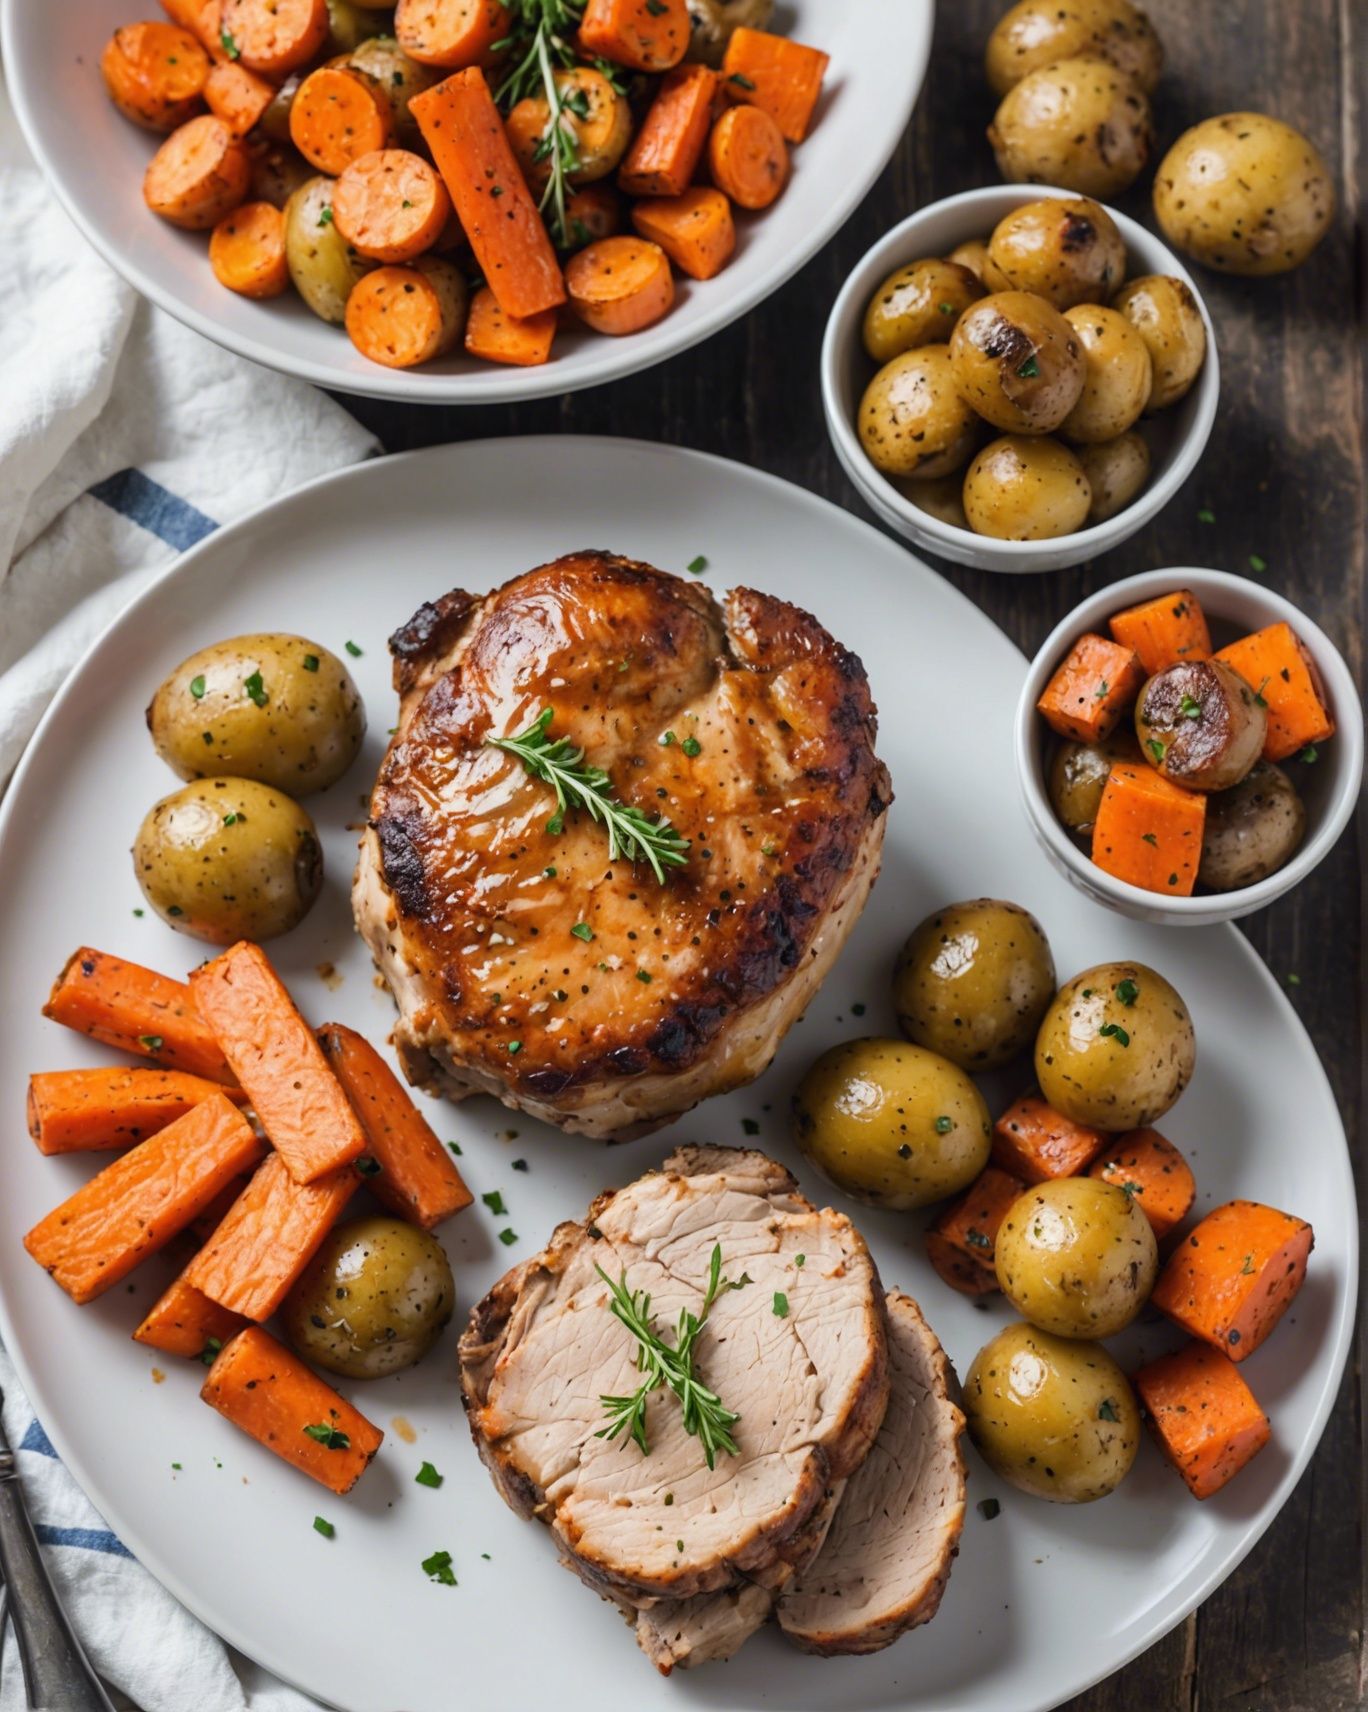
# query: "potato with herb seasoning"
(272, 707)
(1026, 488)
(1078, 123)
(1116, 471)
(1017, 362)
(912, 421)
(1076, 1257)
(1118, 376)
(323, 265)
(918, 304)
(1164, 312)
(1079, 773)
(1067, 250)
(891, 1124)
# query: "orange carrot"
(498, 338)
(136, 1010)
(647, 35)
(593, 211)
(620, 285)
(777, 74)
(258, 1385)
(1148, 831)
(471, 150)
(97, 1111)
(247, 251)
(338, 115)
(269, 1235)
(155, 74)
(1151, 1170)
(203, 19)
(451, 32)
(199, 174)
(695, 230)
(202, 1227)
(1233, 1277)
(274, 37)
(747, 157)
(960, 1243)
(277, 1060)
(957, 1269)
(402, 316)
(390, 205)
(136, 1205)
(183, 1321)
(665, 152)
(1035, 1142)
(1276, 665)
(1164, 631)
(417, 1178)
(1203, 1415)
(1098, 682)
(238, 96)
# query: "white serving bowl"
(1177, 436)
(1234, 606)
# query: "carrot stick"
(451, 32)
(748, 157)
(1149, 831)
(269, 1235)
(1152, 1171)
(277, 1060)
(155, 74)
(620, 285)
(1098, 682)
(665, 152)
(199, 174)
(777, 74)
(274, 37)
(961, 1241)
(237, 95)
(647, 35)
(390, 205)
(136, 1205)
(695, 230)
(402, 316)
(523, 341)
(1233, 1277)
(1203, 1415)
(337, 116)
(247, 251)
(97, 1111)
(183, 1321)
(258, 1385)
(1034, 1142)
(136, 1010)
(203, 1226)
(1276, 665)
(1165, 631)
(417, 1178)
(470, 147)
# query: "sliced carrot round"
(238, 96)
(748, 157)
(155, 74)
(199, 174)
(274, 37)
(247, 251)
(620, 285)
(390, 205)
(451, 32)
(498, 338)
(695, 230)
(337, 116)
(401, 316)
(648, 35)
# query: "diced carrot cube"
(1151, 1169)
(1233, 1277)
(1098, 682)
(1034, 1142)
(1165, 631)
(1149, 831)
(1276, 665)
(1203, 1415)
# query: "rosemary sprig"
(631, 832)
(705, 1416)
(538, 46)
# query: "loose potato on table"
(229, 859)
(1056, 1418)
(973, 982)
(1035, 33)
(323, 265)
(1116, 1048)
(1117, 471)
(1165, 314)
(918, 304)
(1079, 773)
(912, 419)
(1017, 362)
(891, 1124)
(1066, 251)
(1076, 1257)
(1201, 725)
(374, 1299)
(1244, 193)
(1078, 123)
(272, 707)
(1251, 830)
(1026, 488)
(1117, 377)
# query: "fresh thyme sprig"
(631, 832)
(538, 46)
(705, 1415)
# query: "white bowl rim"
(1098, 537)
(1348, 741)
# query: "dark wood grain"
(1284, 476)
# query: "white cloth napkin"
(124, 438)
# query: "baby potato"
(228, 859)
(974, 255)
(1076, 1257)
(1079, 773)
(373, 1300)
(1035, 33)
(1117, 378)
(1165, 314)
(1021, 488)
(1200, 724)
(1244, 193)
(1056, 1418)
(272, 707)
(596, 113)
(381, 57)
(973, 982)
(323, 265)
(918, 304)
(1066, 251)
(1116, 470)
(1078, 123)
(891, 1124)
(1116, 1048)
(713, 22)
(1251, 830)
(912, 419)
(1017, 362)
(943, 499)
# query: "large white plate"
(95, 160)
(1044, 1599)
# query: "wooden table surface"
(1284, 477)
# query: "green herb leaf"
(256, 689)
(514, 1047)
(944, 1125)
(367, 1166)
(508, 1237)
(740, 80)
(331, 1438)
(1190, 707)
(1155, 747)
(210, 1351)
(1127, 991)
(1257, 564)
(151, 1042)
(1150, 838)
(427, 1475)
(780, 1305)
(353, 650)
(976, 1239)
(1115, 1031)
(455, 1147)
(438, 1568)
(1310, 755)
(228, 45)
(582, 930)
(325, 1528)
(1206, 516)
(495, 1202)
(325, 214)
(197, 687)
(1107, 1410)
(989, 1509)
(691, 747)
(1030, 369)
(697, 566)
(311, 662)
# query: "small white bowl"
(1177, 435)
(1234, 606)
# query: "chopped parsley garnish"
(1257, 564)
(197, 687)
(1310, 754)
(665, 739)
(1155, 747)
(331, 1438)
(749, 1126)
(311, 662)
(1102, 690)
(520, 1165)
(438, 1568)
(367, 1166)
(1115, 1032)
(946, 308)
(325, 214)
(139, 912)
(324, 1527)
(353, 650)
(508, 1237)
(1190, 707)
(1107, 1410)
(691, 747)
(455, 1147)
(944, 1125)
(800, 1260)
(548, 873)
(582, 930)
(514, 1047)
(644, 976)
(781, 1304)
(1294, 980)
(256, 689)
(427, 1475)
(1030, 369)
(211, 1348)
(989, 1509)
(740, 80)
(1150, 838)
(697, 566)
(1206, 515)
(976, 1239)
(1127, 991)
(228, 44)
(233, 819)
(495, 1202)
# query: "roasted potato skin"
(1078, 123)
(1017, 362)
(1076, 1257)
(1066, 251)
(1252, 829)
(228, 859)
(1026, 488)
(1117, 471)
(891, 1124)
(373, 1300)
(912, 421)
(1035, 33)
(973, 254)
(918, 304)
(1244, 193)
(253, 707)
(973, 982)
(1164, 312)
(1079, 773)
(323, 265)
(1116, 1048)
(380, 57)
(1201, 725)
(1055, 1417)
(1117, 379)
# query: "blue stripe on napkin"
(88, 1539)
(154, 508)
(36, 1440)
